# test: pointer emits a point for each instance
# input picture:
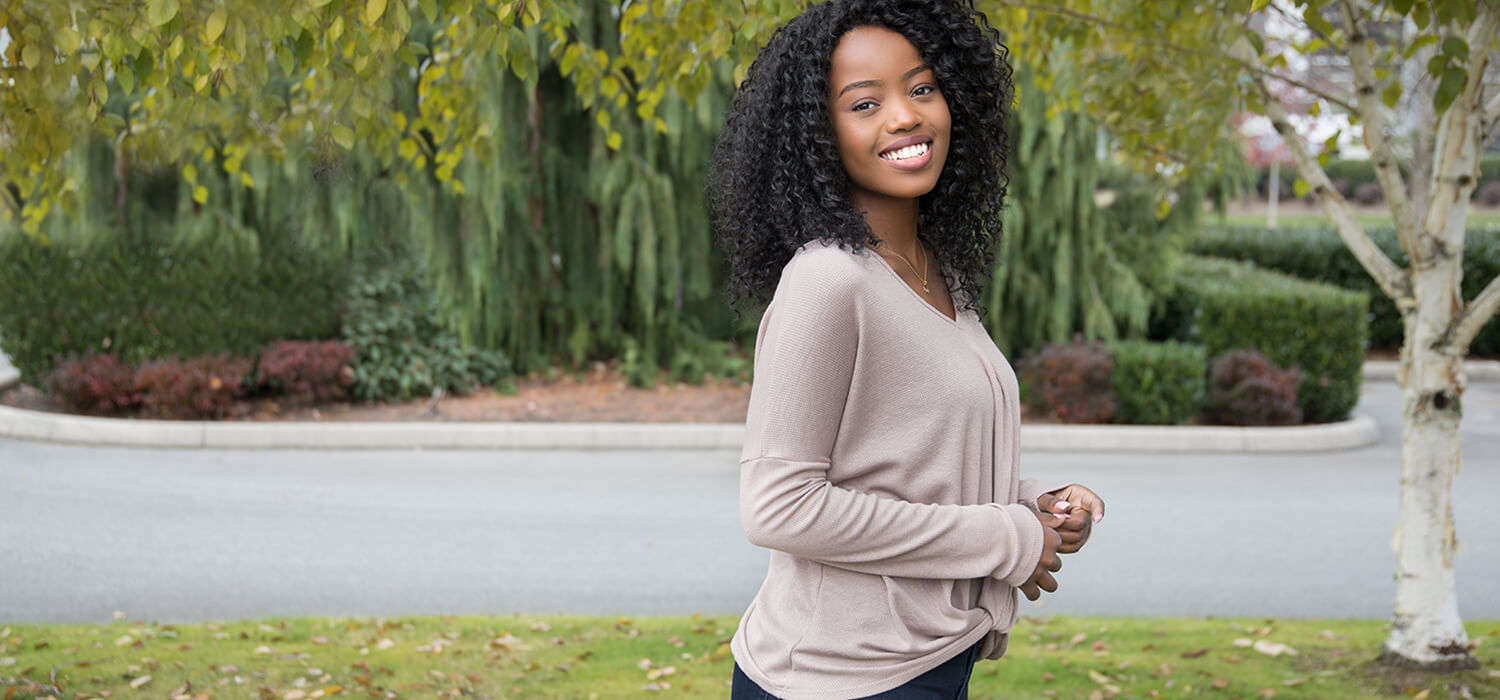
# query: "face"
(889, 118)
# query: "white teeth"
(912, 151)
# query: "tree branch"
(1393, 280)
(1375, 116)
(1473, 317)
(1491, 115)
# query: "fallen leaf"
(1242, 642)
(1048, 677)
(1078, 638)
(1096, 695)
(1267, 692)
(294, 695)
(1194, 653)
(1098, 677)
(384, 644)
(1422, 695)
(140, 681)
(644, 664)
(1270, 648)
(7, 661)
(1220, 683)
(540, 627)
(123, 640)
(1164, 670)
(1233, 659)
(261, 650)
(320, 640)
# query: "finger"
(1069, 537)
(1069, 548)
(1046, 502)
(1055, 565)
(1030, 591)
(1046, 583)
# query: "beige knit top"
(880, 467)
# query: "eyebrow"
(871, 83)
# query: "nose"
(903, 116)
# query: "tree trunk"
(1427, 631)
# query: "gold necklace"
(921, 276)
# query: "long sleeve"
(805, 360)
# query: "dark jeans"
(949, 681)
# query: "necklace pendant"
(925, 289)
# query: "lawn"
(592, 657)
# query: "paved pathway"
(192, 535)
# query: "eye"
(923, 90)
(862, 105)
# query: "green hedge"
(1319, 254)
(153, 299)
(1319, 328)
(1358, 172)
(1158, 383)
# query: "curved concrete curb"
(1476, 370)
(78, 430)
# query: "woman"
(880, 460)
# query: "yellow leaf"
(68, 40)
(344, 136)
(336, 29)
(374, 9)
(190, 173)
(31, 56)
(200, 194)
(614, 140)
(159, 12)
(215, 27)
(247, 181)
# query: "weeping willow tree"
(1076, 258)
(551, 239)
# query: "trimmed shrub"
(1069, 382)
(1157, 383)
(1368, 193)
(401, 350)
(203, 387)
(1488, 195)
(1319, 254)
(149, 300)
(1317, 328)
(1247, 389)
(307, 371)
(94, 383)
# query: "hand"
(1049, 563)
(1081, 507)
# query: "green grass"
(591, 657)
(1284, 219)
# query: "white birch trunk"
(1427, 631)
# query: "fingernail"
(1062, 504)
(1098, 517)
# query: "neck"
(892, 220)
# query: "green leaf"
(1391, 94)
(1259, 5)
(31, 56)
(1417, 44)
(159, 12)
(1449, 88)
(1300, 188)
(430, 9)
(1456, 47)
(1316, 22)
(1401, 6)
(284, 59)
(1435, 65)
(214, 28)
(374, 9)
(126, 78)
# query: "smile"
(916, 150)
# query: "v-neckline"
(887, 265)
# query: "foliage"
(202, 387)
(1317, 254)
(1070, 260)
(401, 349)
(150, 297)
(94, 383)
(1247, 389)
(1069, 382)
(1157, 383)
(315, 371)
(1317, 328)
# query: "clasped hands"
(1067, 516)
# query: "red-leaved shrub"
(94, 383)
(1247, 389)
(317, 371)
(203, 387)
(1070, 382)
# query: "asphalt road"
(184, 535)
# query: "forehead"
(871, 53)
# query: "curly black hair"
(776, 181)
